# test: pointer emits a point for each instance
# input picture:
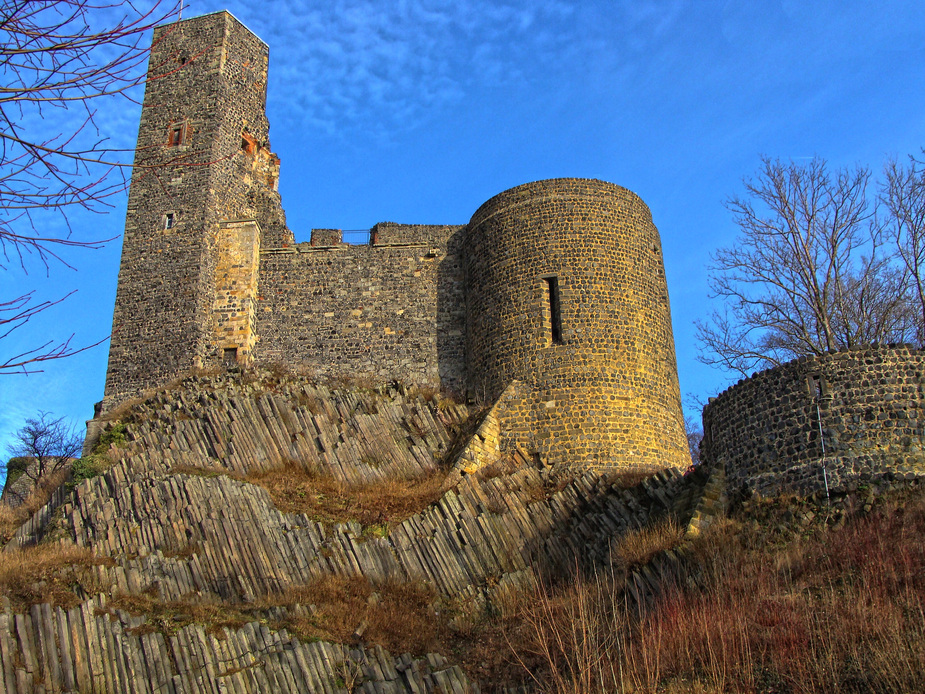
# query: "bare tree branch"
(60, 62)
(903, 195)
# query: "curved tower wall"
(856, 413)
(602, 371)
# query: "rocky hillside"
(213, 536)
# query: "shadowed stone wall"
(394, 310)
(868, 404)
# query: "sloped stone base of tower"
(180, 527)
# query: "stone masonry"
(566, 292)
(855, 414)
(202, 163)
(558, 285)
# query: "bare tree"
(808, 272)
(43, 447)
(902, 194)
(694, 431)
(61, 60)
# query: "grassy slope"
(785, 596)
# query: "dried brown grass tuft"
(125, 408)
(626, 479)
(639, 546)
(167, 616)
(380, 503)
(205, 471)
(396, 615)
(53, 573)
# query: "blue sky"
(418, 111)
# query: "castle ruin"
(554, 288)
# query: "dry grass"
(353, 381)
(381, 503)
(11, 517)
(376, 505)
(125, 408)
(53, 573)
(167, 616)
(639, 546)
(398, 616)
(626, 479)
(204, 471)
(779, 606)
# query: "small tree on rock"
(43, 447)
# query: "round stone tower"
(566, 293)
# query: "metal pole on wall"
(825, 476)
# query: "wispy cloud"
(365, 64)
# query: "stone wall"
(234, 311)
(868, 404)
(566, 292)
(393, 310)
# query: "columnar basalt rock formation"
(558, 285)
(176, 521)
(840, 418)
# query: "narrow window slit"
(552, 310)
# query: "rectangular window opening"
(814, 381)
(168, 220)
(175, 136)
(248, 143)
(552, 310)
(230, 356)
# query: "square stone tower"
(202, 199)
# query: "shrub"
(15, 468)
(115, 436)
(89, 467)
